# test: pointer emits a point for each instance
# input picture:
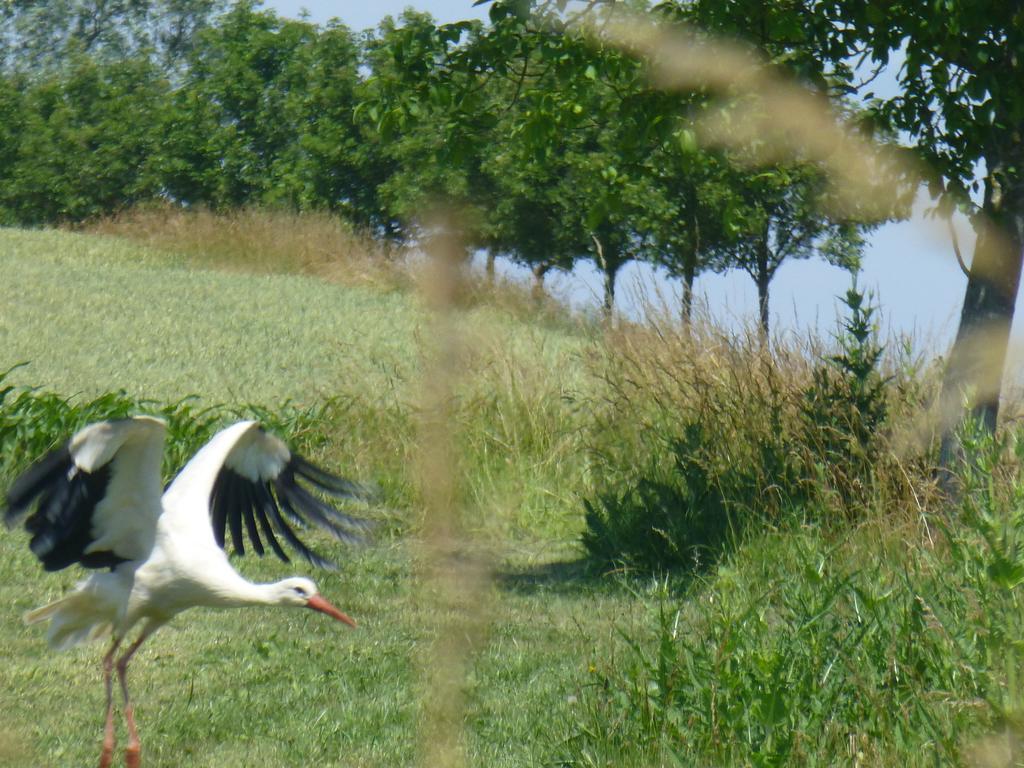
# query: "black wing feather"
(323, 514)
(249, 507)
(220, 509)
(336, 486)
(35, 480)
(234, 486)
(280, 503)
(294, 541)
(64, 498)
(264, 500)
(302, 507)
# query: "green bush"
(882, 649)
(707, 437)
(681, 520)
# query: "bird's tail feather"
(45, 612)
(79, 616)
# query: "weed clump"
(32, 420)
(707, 435)
(882, 648)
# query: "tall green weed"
(33, 421)
(890, 645)
(704, 435)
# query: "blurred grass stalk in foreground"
(453, 578)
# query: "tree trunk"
(609, 261)
(763, 277)
(539, 270)
(690, 272)
(609, 291)
(976, 362)
(489, 268)
(689, 275)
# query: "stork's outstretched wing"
(96, 499)
(254, 488)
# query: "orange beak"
(317, 603)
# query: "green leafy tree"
(960, 101)
(689, 214)
(432, 125)
(781, 211)
(339, 163)
(40, 36)
(575, 134)
(234, 133)
(12, 123)
(81, 148)
(781, 219)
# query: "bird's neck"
(242, 593)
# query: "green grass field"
(91, 314)
(872, 641)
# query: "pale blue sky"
(910, 266)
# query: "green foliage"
(77, 147)
(715, 438)
(794, 652)
(263, 116)
(680, 521)
(952, 99)
(778, 216)
(789, 655)
(31, 420)
(846, 404)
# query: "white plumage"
(97, 501)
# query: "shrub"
(693, 442)
(884, 649)
(846, 405)
(703, 435)
(678, 521)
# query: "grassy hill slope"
(95, 314)
(92, 313)
(861, 622)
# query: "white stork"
(98, 502)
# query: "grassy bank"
(822, 608)
(338, 368)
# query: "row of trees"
(550, 142)
(547, 136)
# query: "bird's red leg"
(108, 730)
(132, 752)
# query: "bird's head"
(303, 593)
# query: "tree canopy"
(548, 135)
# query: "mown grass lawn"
(282, 688)
(285, 688)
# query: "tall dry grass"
(261, 240)
(702, 435)
(277, 241)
